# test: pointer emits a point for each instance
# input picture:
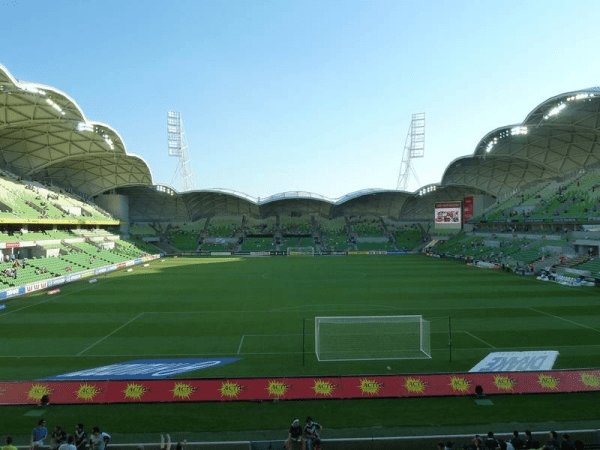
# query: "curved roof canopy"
(45, 135)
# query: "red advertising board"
(468, 208)
(250, 389)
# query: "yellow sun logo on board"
(183, 390)
(548, 381)
(370, 386)
(229, 389)
(590, 380)
(277, 388)
(323, 387)
(414, 385)
(87, 391)
(504, 383)
(135, 391)
(37, 391)
(460, 384)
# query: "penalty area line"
(562, 318)
(109, 334)
(241, 342)
(480, 340)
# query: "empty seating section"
(575, 198)
(185, 236)
(262, 226)
(380, 246)
(593, 266)
(30, 200)
(297, 242)
(257, 244)
(223, 227)
(367, 227)
(408, 238)
(334, 235)
(298, 225)
(142, 230)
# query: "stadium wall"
(118, 206)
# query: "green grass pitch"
(255, 309)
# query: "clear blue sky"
(303, 95)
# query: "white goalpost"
(301, 251)
(354, 338)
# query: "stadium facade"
(45, 137)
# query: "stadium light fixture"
(491, 145)
(82, 126)
(33, 90)
(518, 130)
(109, 142)
(581, 96)
(555, 111)
(55, 106)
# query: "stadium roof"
(558, 137)
(45, 136)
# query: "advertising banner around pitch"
(252, 389)
(516, 361)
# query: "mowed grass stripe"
(189, 307)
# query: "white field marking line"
(333, 307)
(216, 354)
(49, 299)
(480, 340)
(351, 308)
(566, 320)
(109, 334)
(241, 342)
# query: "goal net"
(301, 251)
(372, 337)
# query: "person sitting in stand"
(294, 440)
(312, 430)
(552, 443)
(58, 437)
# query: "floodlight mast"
(178, 148)
(414, 147)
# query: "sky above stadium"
(307, 95)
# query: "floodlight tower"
(178, 148)
(414, 147)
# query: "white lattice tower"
(178, 148)
(414, 147)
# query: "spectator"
(69, 445)
(294, 440)
(58, 437)
(98, 439)
(516, 441)
(567, 443)
(81, 437)
(38, 435)
(163, 445)
(552, 443)
(490, 441)
(9, 445)
(311, 433)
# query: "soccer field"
(262, 311)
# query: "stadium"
(102, 268)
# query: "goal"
(355, 338)
(301, 251)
